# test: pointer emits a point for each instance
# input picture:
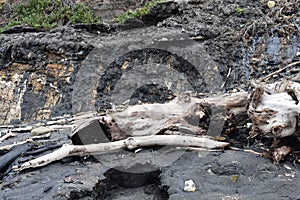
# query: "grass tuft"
(49, 13)
(137, 13)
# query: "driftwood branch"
(6, 159)
(129, 143)
(28, 140)
(52, 124)
(278, 71)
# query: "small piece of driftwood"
(129, 143)
(53, 124)
(28, 140)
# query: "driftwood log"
(273, 109)
(185, 115)
(182, 122)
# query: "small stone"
(234, 178)
(125, 65)
(189, 186)
(271, 4)
(68, 179)
(48, 188)
(29, 55)
(248, 125)
(68, 79)
(287, 167)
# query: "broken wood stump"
(274, 109)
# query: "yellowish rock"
(125, 65)
(56, 70)
(271, 4)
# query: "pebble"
(189, 186)
(271, 4)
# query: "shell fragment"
(189, 186)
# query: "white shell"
(189, 186)
(248, 125)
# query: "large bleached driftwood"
(273, 109)
(129, 143)
(185, 114)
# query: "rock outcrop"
(37, 73)
(39, 69)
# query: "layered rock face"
(21, 86)
(37, 69)
(209, 46)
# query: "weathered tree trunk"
(184, 115)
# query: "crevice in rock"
(118, 184)
(132, 61)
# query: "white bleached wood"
(129, 143)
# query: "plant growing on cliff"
(49, 13)
(137, 13)
(239, 10)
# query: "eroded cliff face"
(38, 69)
(66, 71)
(29, 95)
(206, 44)
(37, 72)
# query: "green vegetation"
(49, 13)
(137, 13)
(239, 10)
